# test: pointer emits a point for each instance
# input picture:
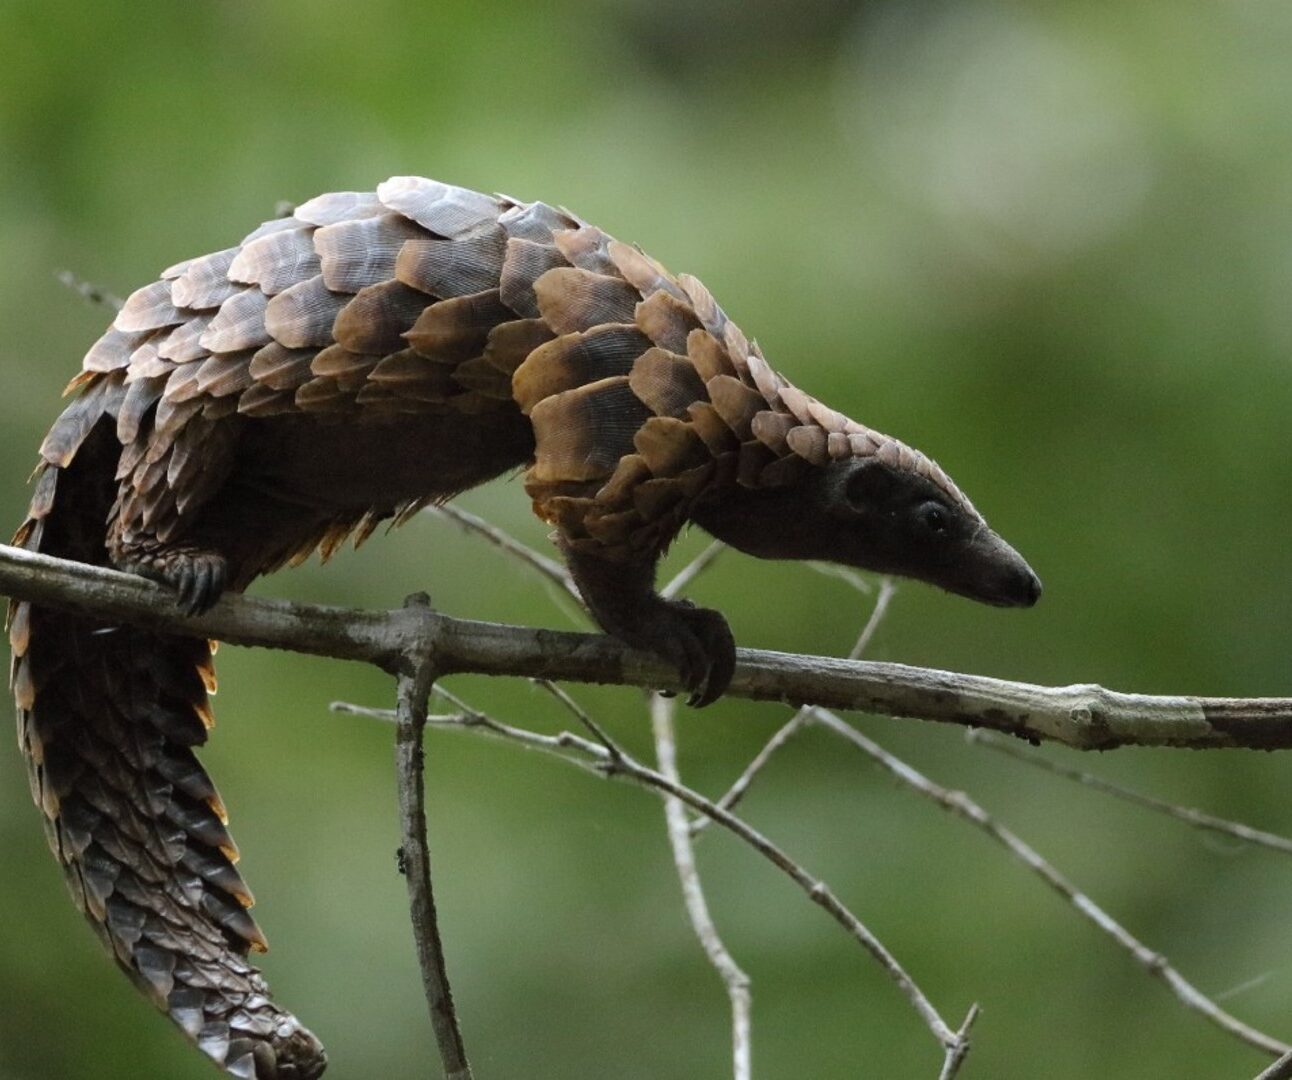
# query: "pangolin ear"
(868, 483)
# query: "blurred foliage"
(1050, 244)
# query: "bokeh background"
(1049, 244)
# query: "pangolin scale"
(341, 367)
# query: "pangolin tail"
(108, 718)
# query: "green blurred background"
(1049, 244)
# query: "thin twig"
(959, 1053)
(581, 715)
(440, 691)
(1197, 818)
(796, 723)
(697, 908)
(594, 758)
(415, 863)
(550, 569)
(740, 786)
(1243, 987)
(95, 294)
(965, 807)
(692, 570)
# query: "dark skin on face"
(864, 514)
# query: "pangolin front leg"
(621, 596)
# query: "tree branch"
(959, 1053)
(1086, 717)
(415, 860)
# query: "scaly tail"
(108, 717)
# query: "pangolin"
(341, 367)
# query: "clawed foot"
(198, 581)
(698, 642)
(198, 577)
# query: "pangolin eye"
(934, 517)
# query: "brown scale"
(341, 367)
(458, 329)
(277, 260)
(666, 320)
(575, 359)
(524, 262)
(448, 268)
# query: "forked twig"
(959, 1053)
(581, 715)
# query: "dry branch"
(1087, 717)
(415, 862)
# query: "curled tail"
(108, 717)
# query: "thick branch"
(1086, 717)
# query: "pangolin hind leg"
(198, 576)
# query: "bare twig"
(593, 757)
(549, 569)
(735, 980)
(740, 786)
(1242, 987)
(959, 1053)
(693, 570)
(1280, 1070)
(796, 723)
(1197, 818)
(581, 715)
(415, 862)
(964, 807)
(1084, 716)
(95, 294)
